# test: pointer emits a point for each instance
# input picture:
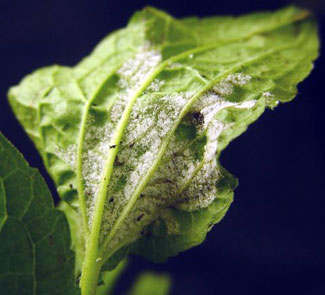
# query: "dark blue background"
(272, 240)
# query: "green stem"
(91, 266)
(90, 273)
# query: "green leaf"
(35, 250)
(151, 284)
(132, 135)
(77, 235)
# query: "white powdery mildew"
(132, 74)
(267, 94)
(67, 155)
(182, 179)
(172, 176)
(226, 86)
(166, 112)
(159, 115)
(181, 166)
(238, 79)
(202, 190)
(143, 165)
(97, 139)
(145, 133)
(96, 147)
(215, 129)
(210, 104)
(135, 71)
(269, 97)
(171, 107)
(155, 85)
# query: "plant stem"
(90, 272)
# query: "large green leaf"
(133, 133)
(35, 250)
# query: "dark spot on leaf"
(140, 217)
(168, 181)
(117, 162)
(198, 117)
(78, 280)
(111, 199)
(94, 104)
(145, 232)
(131, 145)
(141, 196)
(71, 186)
(113, 146)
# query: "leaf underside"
(35, 250)
(133, 133)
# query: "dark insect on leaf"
(78, 280)
(140, 217)
(198, 118)
(117, 162)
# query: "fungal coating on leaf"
(147, 114)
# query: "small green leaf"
(35, 250)
(151, 284)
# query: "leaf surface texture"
(133, 133)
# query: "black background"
(272, 240)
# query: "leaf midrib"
(80, 145)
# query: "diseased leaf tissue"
(133, 133)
